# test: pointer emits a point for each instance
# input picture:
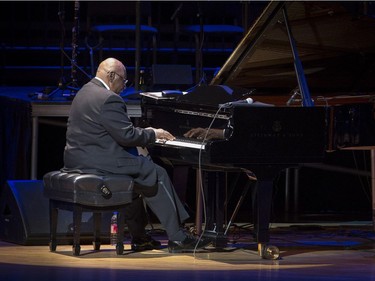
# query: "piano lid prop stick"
(305, 93)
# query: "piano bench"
(80, 193)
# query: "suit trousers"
(165, 204)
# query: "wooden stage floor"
(308, 252)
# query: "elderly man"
(101, 139)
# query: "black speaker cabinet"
(24, 216)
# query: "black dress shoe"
(144, 243)
(189, 244)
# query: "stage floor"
(344, 251)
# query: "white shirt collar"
(105, 85)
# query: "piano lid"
(335, 42)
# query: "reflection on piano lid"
(335, 43)
(214, 95)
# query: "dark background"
(32, 34)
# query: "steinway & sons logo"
(277, 130)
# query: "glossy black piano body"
(295, 50)
(263, 139)
(259, 135)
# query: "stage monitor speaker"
(24, 216)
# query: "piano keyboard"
(188, 143)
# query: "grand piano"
(308, 69)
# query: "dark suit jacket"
(99, 133)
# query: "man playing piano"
(101, 139)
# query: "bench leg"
(53, 214)
(77, 209)
(97, 223)
(120, 231)
(77, 219)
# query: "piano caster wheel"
(268, 252)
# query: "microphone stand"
(199, 57)
(73, 85)
(174, 18)
(61, 15)
(199, 41)
(75, 32)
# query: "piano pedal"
(192, 229)
(219, 239)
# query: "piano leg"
(262, 202)
(262, 199)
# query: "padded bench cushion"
(85, 189)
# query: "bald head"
(113, 73)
